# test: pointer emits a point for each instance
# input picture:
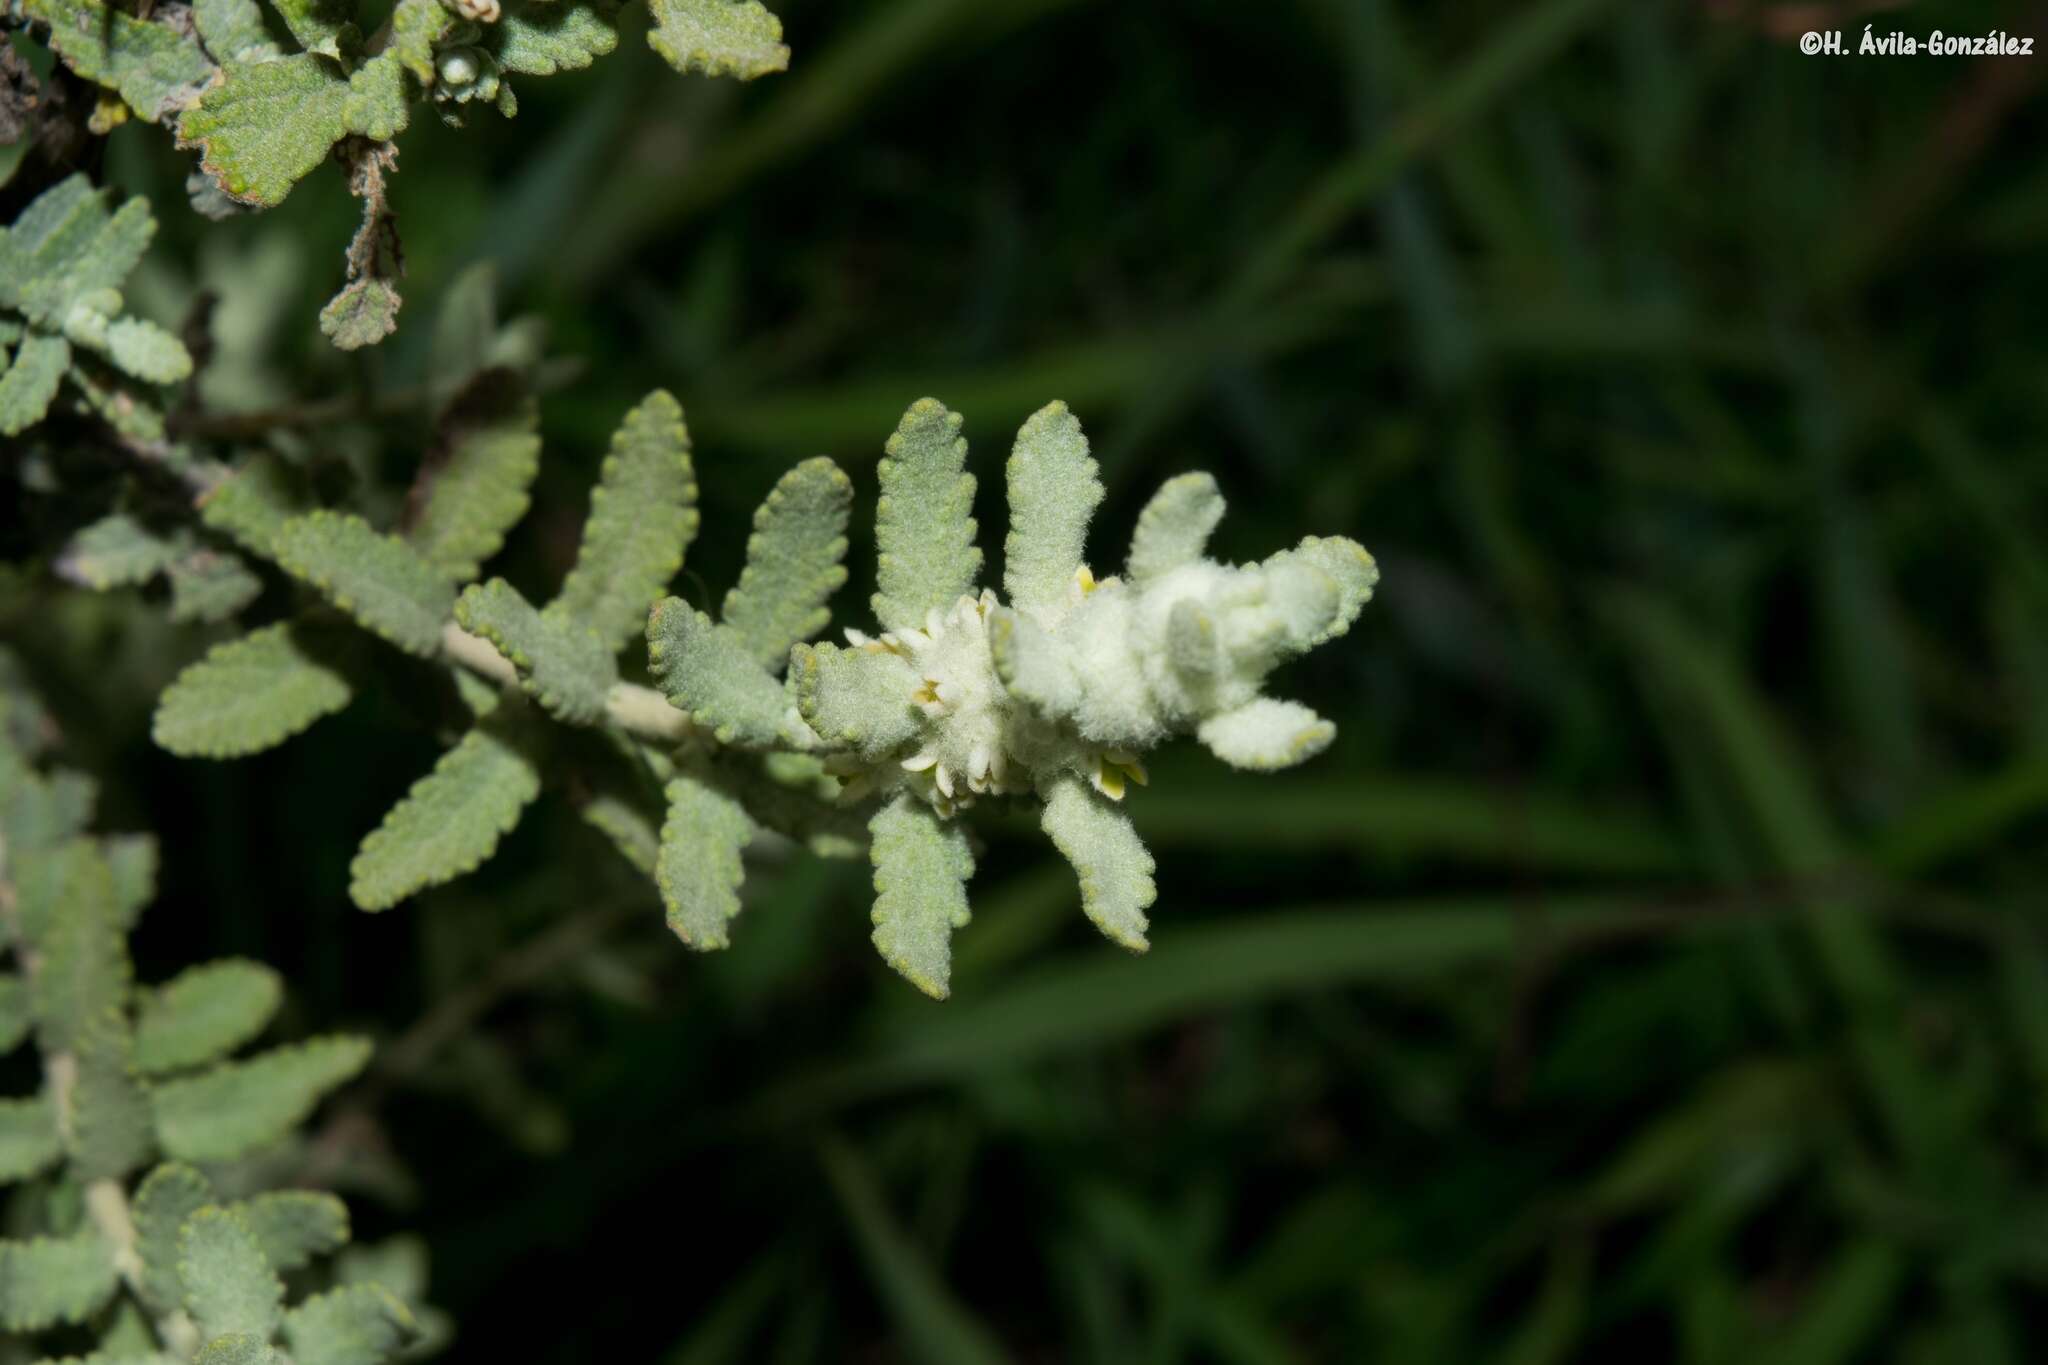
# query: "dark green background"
(1655, 967)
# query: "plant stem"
(637, 710)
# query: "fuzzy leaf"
(168, 1196)
(294, 1226)
(29, 1141)
(718, 37)
(362, 314)
(148, 352)
(67, 248)
(154, 66)
(924, 523)
(117, 551)
(860, 698)
(54, 1279)
(237, 1107)
(636, 836)
(65, 897)
(31, 382)
(1265, 734)
(417, 28)
(263, 126)
(698, 869)
(539, 39)
(1192, 645)
(233, 30)
(562, 664)
(1053, 492)
(1349, 565)
(1031, 665)
(253, 502)
(204, 1013)
(378, 579)
(921, 869)
(643, 516)
(359, 1324)
(793, 562)
(317, 25)
(249, 694)
(472, 487)
(239, 1348)
(704, 669)
(15, 1013)
(132, 859)
(1115, 869)
(1174, 528)
(211, 585)
(110, 1109)
(379, 105)
(230, 1289)
(450, 821)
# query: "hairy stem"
(637, 710)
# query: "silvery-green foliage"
(262, 115)
(62, 264)
(146, 1251)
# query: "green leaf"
(379, 104)
(472, 487)
(1053, 492)
(417, 28)
(154, 66)
(204, 1013)
(249, 694)
(241, 1349)
(862, 698)
(237, 1107)
(233, 30)
(706, 671)
(294, 1226)
(262, 127)
(629, 828)
(211, 585)
(148, 352)
(29, 1141)
(643, 516)
(230, 1289)
(67, 248)
(359, 1324)
(117, 551)
(110, 1109)
(362, 314)
(132, 859)
(16, 1016)
(924, 523)
(699, 868)
(562, 664)
(921, 869)
(718, 37)
(254, 501)
(31, 382)
(168, 1196)
(54, 1279)
(1174, 528)
(1264, 735)
(378, 579)
(542, 37)
(1349, 566)
(450, 821)
(1115, 870)
(793, 562)
(318, 25)
(68, 910)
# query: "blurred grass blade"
(935, 1327)
(722, 1335)
(1846, 1307)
